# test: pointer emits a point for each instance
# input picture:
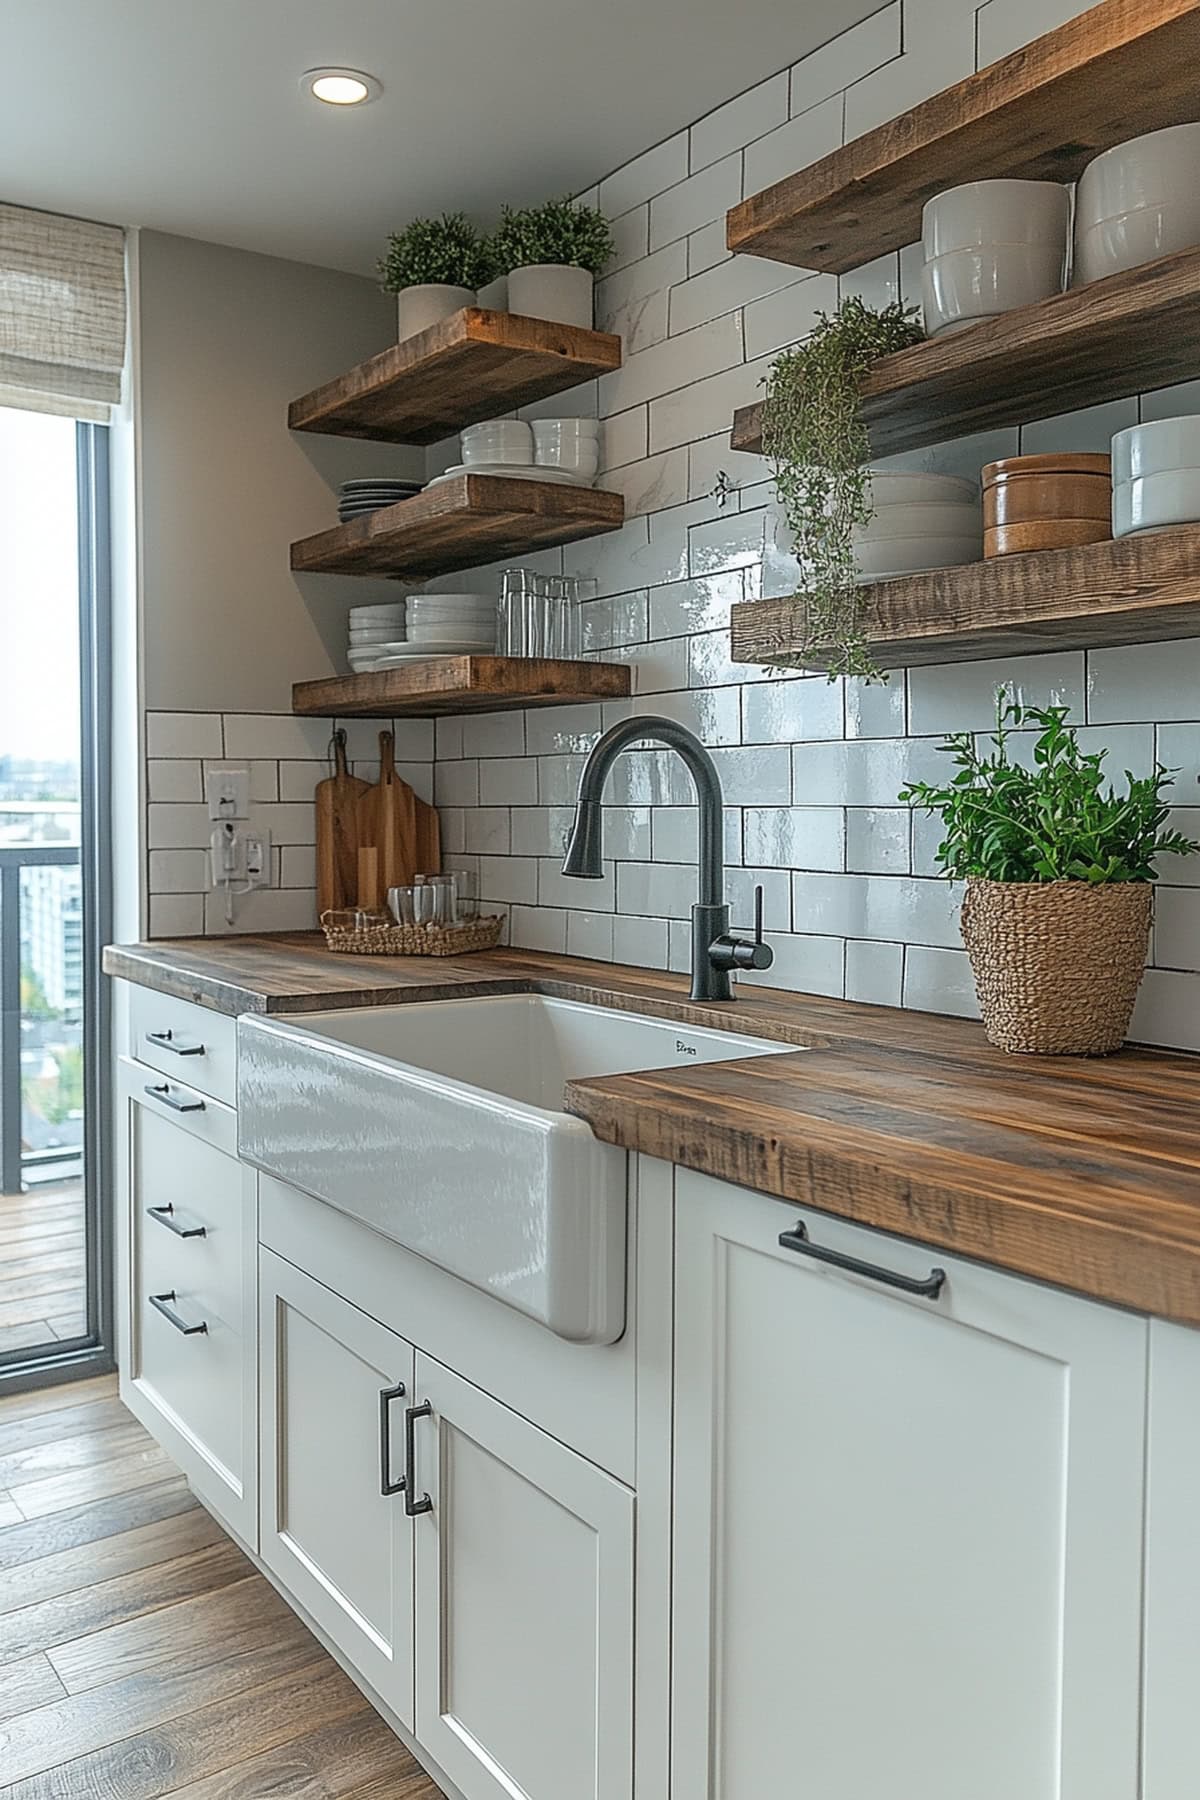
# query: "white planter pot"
(552, 291)
(419, 307)
(494, 296)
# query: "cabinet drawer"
(186, 1042)
(188, 1225)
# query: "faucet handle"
(758, 913)
(730, 952)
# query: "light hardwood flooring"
(42, 1266)
(141, 1654)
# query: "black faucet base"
(708, 982)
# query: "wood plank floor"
(141, 1654)
(42, 1266)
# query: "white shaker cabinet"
(908, 1529)
(334, 1527)
(524, 1604)
(1172, 1674)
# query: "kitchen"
(668, 1303)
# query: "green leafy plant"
(814, 435)
(448, 250)
(560, 231)
(1053, 822)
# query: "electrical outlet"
(258, 858)
(227, 791)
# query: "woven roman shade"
(62, 314)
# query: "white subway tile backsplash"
(878, 840)
(1144, 681)
(642, 943)
(707, 247)
(954, 697)
(631, 237)
(847, 57)
(591, 935)
(862, 772)
(652, 484)
(647, 175)
(183, 734)
(175, 778)
(790, 711)
(750, 115)
(874, 972)
(679, 362)
(176, 915)
(624, 438)
(538, 928)
(795, 837)
(508, 781)
(274, 735)
(939, 981)
(703, 408)
(727, 286)
(695, 202)
(788, 315)
(805, 139)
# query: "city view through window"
(40, 877)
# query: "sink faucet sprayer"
(714, 951)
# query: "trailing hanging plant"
(447, 250)
(814, 435)
(1054, 822)
(560, 231)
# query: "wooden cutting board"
(387, 819)
(337, 800)
(429, 839)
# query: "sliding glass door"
(54, 1307)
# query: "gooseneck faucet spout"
(714, 952)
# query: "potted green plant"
(1059, 874)
(813, 434)
(434, 267)
(552, 255)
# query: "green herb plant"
(1054, 822)
(560, 231)
(448, 250)
(814, 435)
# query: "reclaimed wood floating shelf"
(1130, 590)
(1124, 67)
(460, 684)
(473, 365)
(1136, 330)
(458, 524)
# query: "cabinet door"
(189, 1233)
(524, 1605)
(907, 1530)
(331, 1442)
(1172, 1677)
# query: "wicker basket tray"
(413, 940)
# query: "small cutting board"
(337, 799)
(387, 819)
(429, 839)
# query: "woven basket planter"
(1057, 964)
(385, 939)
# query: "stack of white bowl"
(1156, 475)
(572, 446)
(373, 630)
(1137, 201)
(920, 522)
(497, 443)
(445, 623)
(991, 246)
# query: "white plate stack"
(920, 522)
(373, 632)
(451, 624)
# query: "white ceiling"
(186, 115)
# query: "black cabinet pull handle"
(162, 1091)
(163, 1303)
(411, 1415)
(386, 1485)
(165, 1215)
(799, 1240)
(166, 1040)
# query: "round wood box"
(1048, 502)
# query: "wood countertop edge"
(1122, 1227)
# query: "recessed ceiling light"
(340, 87)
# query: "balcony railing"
(36, 1031)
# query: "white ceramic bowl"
(498, 440)
(377, 615)
(1131, 238)
(892, 487)
(1158, 446)
(905, 555)
(462, 640)
(580, 428)
(968, 285)
(983, 213)
(1150, 502)
(362, 640)
(933, 518)
(1158, 169)
(581, 458)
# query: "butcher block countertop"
(1081, 1173)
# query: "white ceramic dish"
(1158, 446)
(497, 440)
(544, 429)
(579, 459)
(891, 487)
(934, 518)
(1156, 169)
(367, 615)
(511, 472)
(905, 556)
(1150, 502)
(979, 214)
(966, 286)
(446, 634)
(397, 653)
(469, 615)
(1133, 238)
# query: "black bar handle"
(387, 1486)
(411, 1415)
(165, 1215)
(799, 1240)
(166, 1040)
(758, 913)
(163, 1092)
(163, 1303)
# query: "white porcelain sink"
(440, 1124)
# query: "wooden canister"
(1046, 502)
